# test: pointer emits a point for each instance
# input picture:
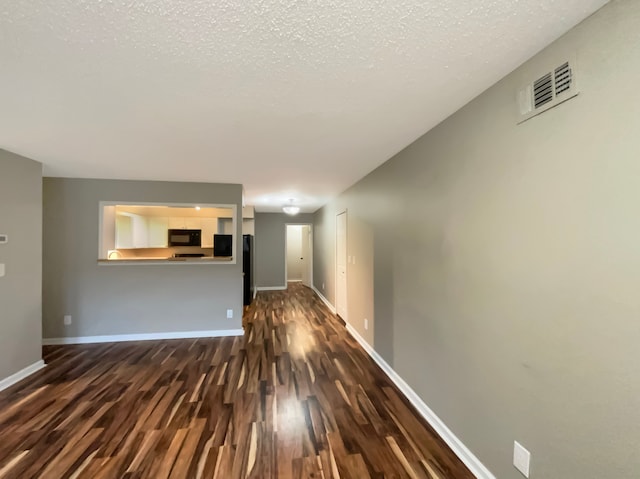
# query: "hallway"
(297, 397)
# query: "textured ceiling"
(293, 99)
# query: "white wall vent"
(549, 90)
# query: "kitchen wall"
(130, 299)
(505, 263)
(21, 286)
(248, 223)
(248, 226)
(270, 246)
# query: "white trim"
(20, 375)
(457, 446)
(324, 300)
(294, 281)
(271, 288)
(143, 337)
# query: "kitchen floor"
(296, 397)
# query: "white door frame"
(310, 225)
(346, 269)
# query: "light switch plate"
(1, 270)
(229, 313)
(521, 458)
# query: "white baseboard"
(294, 281)
(143, 337)
(457, 446)
(271, 288)
(20, 375)
(324, 300)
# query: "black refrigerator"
(247, 269)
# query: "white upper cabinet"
(140, 232)
(131, 231)
(158, 231)
(209, 228)
(124, 232)
(177, 223)
(193, 223)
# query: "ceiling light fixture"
(291, 209)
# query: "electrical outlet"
(67, 319)
(354, 259)
(366, 323)
(322, 286)
(229, 313)
(521, 458)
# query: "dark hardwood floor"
(296, 397)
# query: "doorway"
(299, 254)
(341, 265)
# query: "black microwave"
(185, 237)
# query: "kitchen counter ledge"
(205, 260)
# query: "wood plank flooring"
(296, 397)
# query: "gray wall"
(270, 229)
(129, 299)
(506, 264)
(21, 287)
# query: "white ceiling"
(293, 99)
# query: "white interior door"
(306, 255)
(341, 265)
(294, 253)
